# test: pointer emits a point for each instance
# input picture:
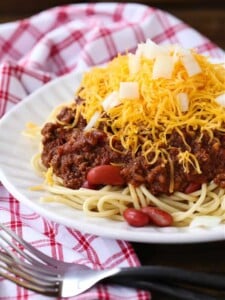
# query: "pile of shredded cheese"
(144, 97)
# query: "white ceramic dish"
(17, 175)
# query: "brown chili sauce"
(72, 152)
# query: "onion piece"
(190, 63)
(92, 121)
(176, 50)
(129, 90)
(163, 67)
(221, 99)
(205, 221)
(151, 50)
(183, 101)
(110, 101)
(133, 63)
(140, 49)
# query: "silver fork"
(36, 271)
(26, 266)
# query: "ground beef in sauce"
(72, 153)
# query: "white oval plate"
(17, 175)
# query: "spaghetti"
(158, 116)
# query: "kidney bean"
(192, 187)
(87, 185)
(105, 174)
(157, 216)
(135, 217)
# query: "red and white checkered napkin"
(34, 51)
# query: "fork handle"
(171, 274)
(169, 290)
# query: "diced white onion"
(176, 49)
(183, 101)
(221, 100)
(92, 121)
(110, 101)
(163, 67)
(129, 90)
(140, 49)
(133, 63)
(151, 50)
(189, 62)
(205, 221)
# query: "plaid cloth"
(36, 50)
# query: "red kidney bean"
(105, 174)
(157, 216)
(192, 187)
(135, 217)
(87, 185)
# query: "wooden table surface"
(208, 17)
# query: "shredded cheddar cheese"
(186, 158)
(145, 123)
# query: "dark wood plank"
(24, 6)
(200, 256)
(207, 257)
